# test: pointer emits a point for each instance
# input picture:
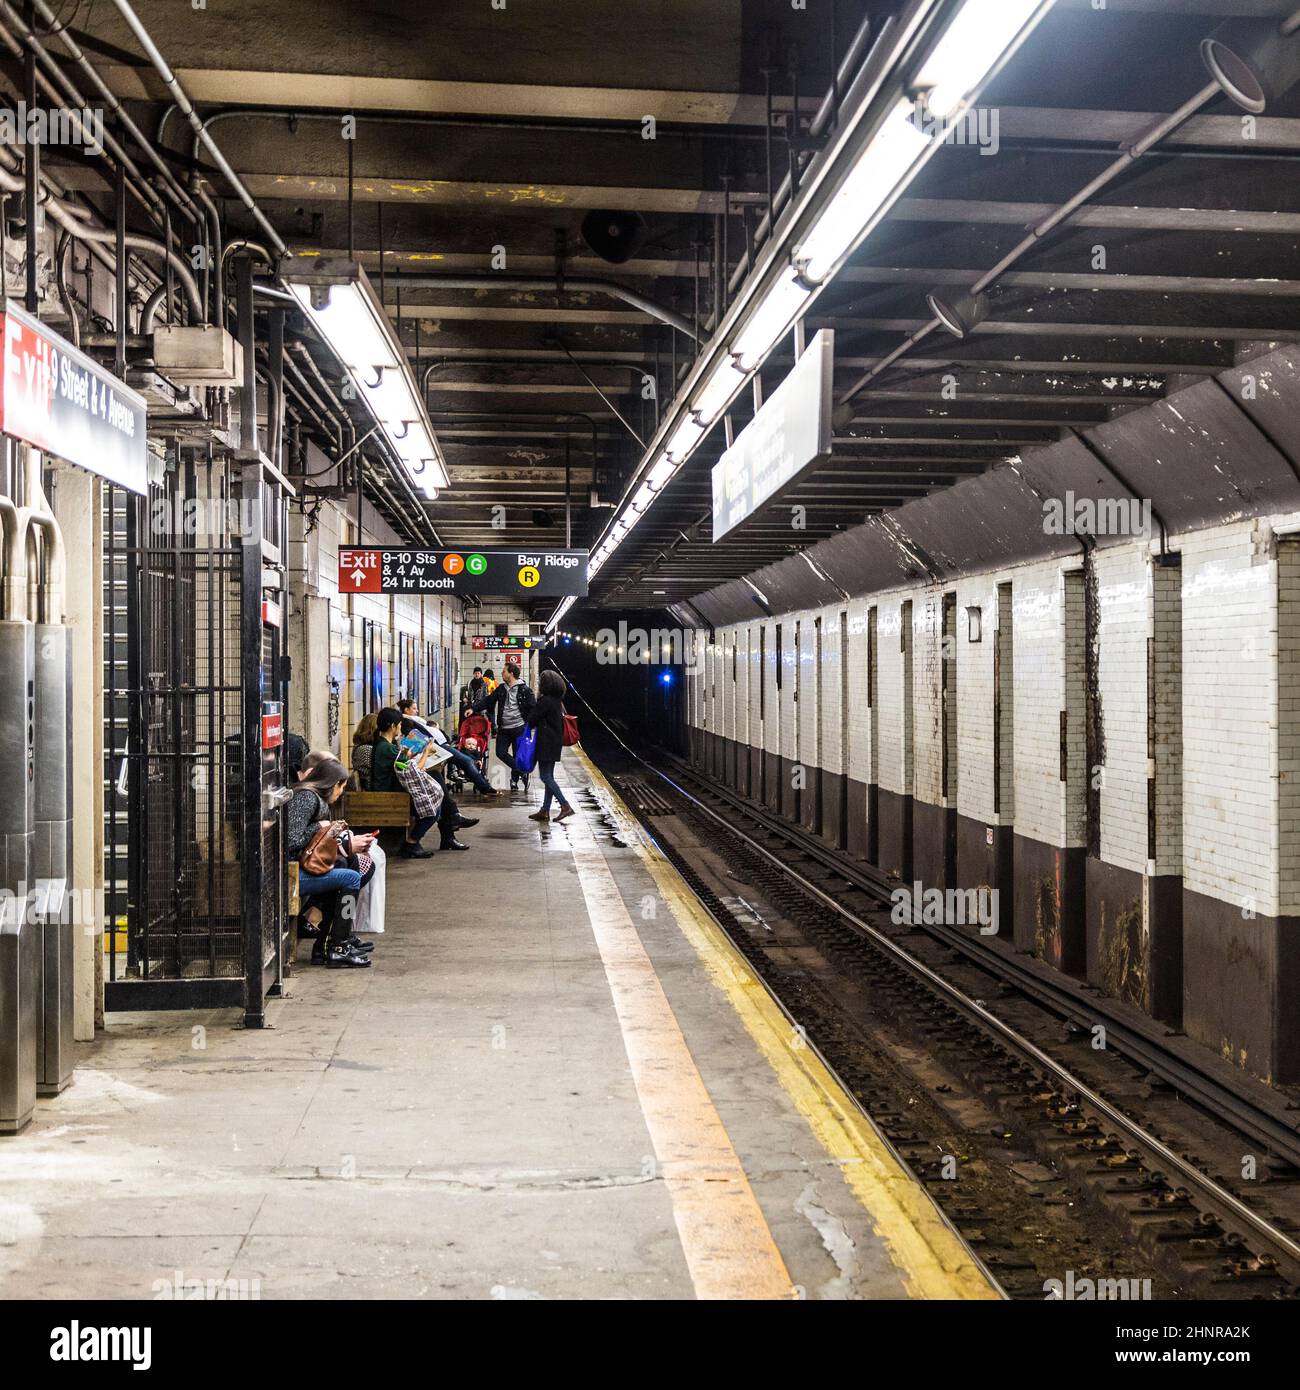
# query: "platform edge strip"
(930, 1255)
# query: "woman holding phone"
(370, 905)
(309, 830)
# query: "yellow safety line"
(729, 1249)
(926, 1250)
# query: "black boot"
(451, 842)
(344, 958)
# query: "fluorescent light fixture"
(686, 436)
(661, 472)
(341, 302)
(768, 325)
(977, 40)
(969, 49)
(717, 392)
(880, 170)
(565, 605)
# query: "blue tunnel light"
(667, 678)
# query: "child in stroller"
(474, 738)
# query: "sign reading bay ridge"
(521, 573)
(66, 404)
(791, 430)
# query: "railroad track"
(1137, 1129)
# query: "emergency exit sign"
(520, 574)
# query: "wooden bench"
(365, 811)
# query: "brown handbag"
(321, 853)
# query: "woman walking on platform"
(547, 718)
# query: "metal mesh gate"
(179, 684)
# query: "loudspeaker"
(614, 236)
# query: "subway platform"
(557, 1081)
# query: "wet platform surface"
(553, 1083)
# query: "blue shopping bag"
(526, 750)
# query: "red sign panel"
(53, 396)
(272, 730)
(360, 571)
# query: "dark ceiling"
(484, 131)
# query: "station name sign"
(55, 397)
(518, 573)
(791, 430)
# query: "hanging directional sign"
(490, 643)
(521, 574)
(53, 396)
(791, 431)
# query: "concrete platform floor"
(551, 1084)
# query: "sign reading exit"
(509, 573)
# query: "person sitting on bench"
(338, 887)
(390, 772)
(410, 713)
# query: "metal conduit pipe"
(33, 515)
(1163, 127)
(136, 243)
(552, 359)
(67, 218)
(849, 64)
(187, 110)
(324, 416)
(115, 106)
(254, 248)
(437, 119)
(214, 231)
(580, 285)
(14, 22)
(61, 282)
(143, 190)
(8, 533)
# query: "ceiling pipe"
(107, 96)
(582, 285)
(67, 218)
(186, 108)
(1157, 132)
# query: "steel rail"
(1218, 1195)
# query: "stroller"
(474, 738)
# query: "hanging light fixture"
(342, 304)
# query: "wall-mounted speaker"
(614, 236)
